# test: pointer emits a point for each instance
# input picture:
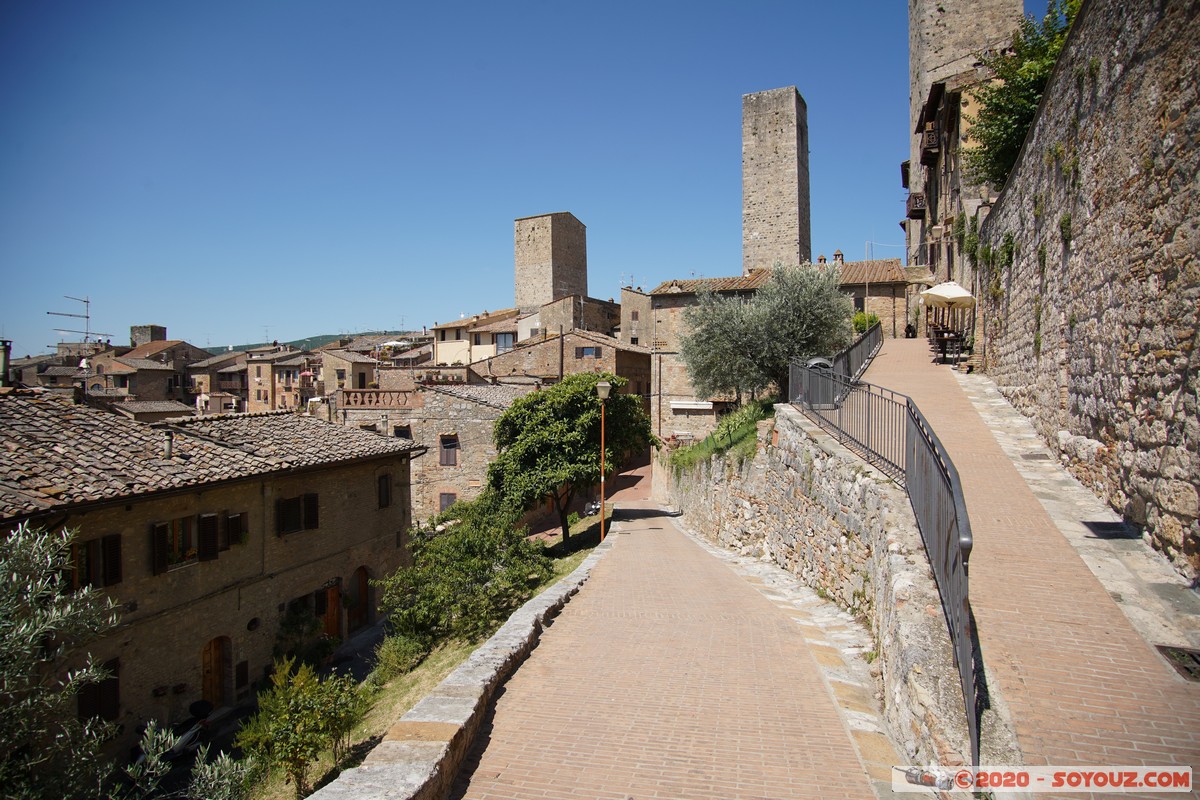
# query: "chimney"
(821, 259)
(5, 356)
(168, 444)
(838, 258)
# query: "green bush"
(863, 322)
(467, 573)
(396, 655)
(735, 432)
(290, 729)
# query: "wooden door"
(215, 662)
(333, 611)
(359, 611)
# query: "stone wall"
(775, 195)
(550, 259)
(818, 511)
(1090, 306)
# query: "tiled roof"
(55, 454)
(150, 348)
(231, 369)
(353, 358)
(609, 341)
(64, 372)
(495, 396)
(737, 283)
(294, 361)
(144, 363)
(499, 326)
(154, 406)
(474, 322)
(295, 440)
(220, 358)
(885, 270)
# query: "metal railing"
(852, 362)
(890, 432)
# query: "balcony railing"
(916, 205)
(373, 398)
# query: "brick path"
(667, 676)
(1082, 686)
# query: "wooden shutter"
(310, 512)
(158, 548)
(208, 544)
(111, 548)
(598, 351)
(579, 352)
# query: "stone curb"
(422, 753)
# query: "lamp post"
(602, 389)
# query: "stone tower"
(943, 38)
(550, 255)
(775, 210)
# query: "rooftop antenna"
(87, 332)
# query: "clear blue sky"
(231, 169)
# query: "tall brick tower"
(550, 255)
(775, 210)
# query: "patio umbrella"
(948, 295)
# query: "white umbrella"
(948, 295)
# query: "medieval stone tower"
(775, 209)
(550, 255)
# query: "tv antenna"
(87, 331)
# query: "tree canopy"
(740, 345)
(549, 441)
(1008, 104)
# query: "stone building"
(775, 195)
(219, 383)
(208, 533)
(455, 423)
(548, 359)
(346, 369)
(1088, 314)
(878, 287)
(280, 377)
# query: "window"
(235, 530)
(449, 450)
(385, 490)
(478, 339)
(458, 332)
(633, 316)
(296, 514)
(859, 304)
(341, 374)
(208, 539)
(588, 352)
(102, 699)
(445, 500)
(96, 562)
(505, 342)
(258, 371)
(402, 431)
(173, 545)
(633, 340)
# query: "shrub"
(396, 655)
(863, 322)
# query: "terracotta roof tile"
(884, 270)
(495, 396)
(55, 454)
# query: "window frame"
(448, 447)
(383, 489)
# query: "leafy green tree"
(45, 749)
(740, 345)
(290, 730)
(549, 442)
(345, 705)
(1008, 104)
(467, 574)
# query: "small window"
(235, 530)
(633, 316)
(96, 563)
(402, 431)
(296, 514)
(341, 374)
(587, 352)
(449, 450)
(102, 699)
(174, 545)
(385, 490)
(478, 339)
(446, 499)
(633, 340)
(859, 304)
(258, 371)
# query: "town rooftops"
(144, 364)
(220, 358)
(154, 407)
(473, 322)
(884, 270)
(58, 371)
(153, 348)
(56, 454)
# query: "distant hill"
(313, 342)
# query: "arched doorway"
(217, 671)
(359, 603)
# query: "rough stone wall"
(167, 619)
(575, 311)
(775, 194)
(541, 359)
(819, 512)
(550, 259)
(1091, 325)
(637, 323)
(144, 334)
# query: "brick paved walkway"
(667, 676)
(1082, 686)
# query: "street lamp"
(602, 389)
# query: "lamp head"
(603, 388)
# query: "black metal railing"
(852, 362)
(890, 432)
